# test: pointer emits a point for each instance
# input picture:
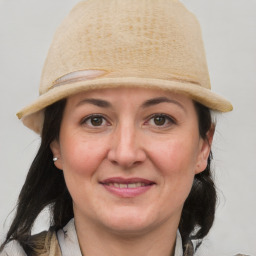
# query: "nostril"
(114, 162)
(137, 163)
(126, 165)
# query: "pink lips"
(127, 187)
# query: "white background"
(229, 31)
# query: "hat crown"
(128, 38)
(116, 43)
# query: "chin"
(130, 222)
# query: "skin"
(130, 136)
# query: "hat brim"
(33, 115)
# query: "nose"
(126, 149)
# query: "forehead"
(130, 95)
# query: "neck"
(97, 241)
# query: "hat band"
(77, 76)
(90, 74)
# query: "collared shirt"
(69, 245)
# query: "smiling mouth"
(127, 185)
(120, 182)
(127, 188)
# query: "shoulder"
(45, 244)
(13, 249)
(42, 244)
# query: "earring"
(55, 159)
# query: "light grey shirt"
(69, 245)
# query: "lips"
(124, 185)
(138, 182)
(130, 187)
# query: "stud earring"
(55, 159)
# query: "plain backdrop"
(229, 32)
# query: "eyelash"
(170, 120)
(90, 117)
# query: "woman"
(124, 117)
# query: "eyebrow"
(96, 102)
(158, 100)
(147, 103)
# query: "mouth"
(127, 187)
(124, 185)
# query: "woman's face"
(129, 156)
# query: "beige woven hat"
(113, 43)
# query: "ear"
(204, 151)
(55, 148)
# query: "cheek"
(175, 161)
(81, 156)
(175, 157)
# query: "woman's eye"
(95, 121)
(161, 120)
